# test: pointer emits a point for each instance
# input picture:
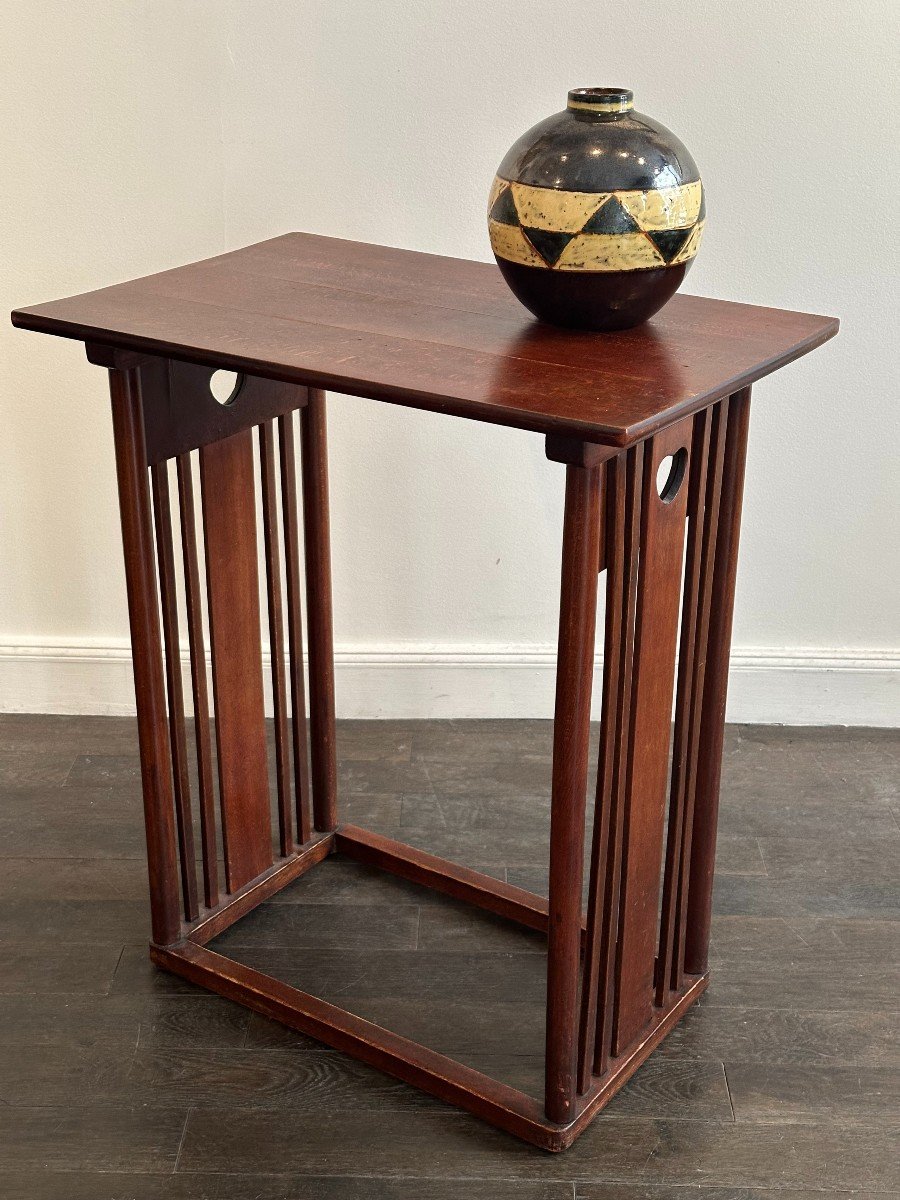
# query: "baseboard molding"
(767, 686)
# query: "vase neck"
(602, 102)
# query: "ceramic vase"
(596, 214)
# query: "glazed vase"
(596, 214)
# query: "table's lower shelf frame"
(659, 520)
(407, 1060)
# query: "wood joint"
(114, 358)
(181, 412)
(577, 453)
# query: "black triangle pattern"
(504, 208)
(612, 217)
(669, 241)
(549, 243)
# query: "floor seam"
(730, 1096)
(187, 1117)
(762, 855)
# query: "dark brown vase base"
(602, 301)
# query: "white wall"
(136, 136)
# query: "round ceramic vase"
(596, 214)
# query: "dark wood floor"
(120, 1083)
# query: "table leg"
(712, 721)
(574, 676)
(146, 643)
(323, 752)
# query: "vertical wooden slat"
(317, 542)
(574, 674)
(294, 624)
(628, 489)
(229, 522)
(276, 633)
(715, 689)
(611, 551)
(602, 554)
(162, 513)
(687, 660)
(704, 600)
(193, 605)
(656, 632)
(146, 649)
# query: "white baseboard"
(767, 686)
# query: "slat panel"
(656, 632)
(612, 539)
(628, 469)
(229, 521)
(704, 604)
(193, 605)
(162, 515)
(687, 661)
(299, 728)
(276, 634)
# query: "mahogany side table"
(651, 425)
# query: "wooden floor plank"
(786, 1036)
(402, 1145)
(847, 1095)
(101, 1055)
(93, 1137)
(310, 1079)
(80, 1185)
(61, 970)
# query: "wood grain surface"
(432, 332)
(229, 524)
(102, 1058)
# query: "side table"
(651, 425)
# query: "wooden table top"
(437, 333)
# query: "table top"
(437, 333)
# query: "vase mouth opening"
(601, 100)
